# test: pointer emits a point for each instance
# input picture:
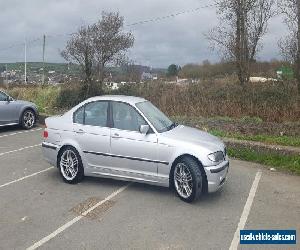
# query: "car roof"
(118, 98)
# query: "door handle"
(116, 136)
(79, 131)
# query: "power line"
(171, 15)
(151, 20)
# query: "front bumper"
(216, 176)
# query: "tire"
(70, 165)
(187, 179)
(28, 119)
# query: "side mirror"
(9, 99)
(144, 129)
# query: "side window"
(96, 114)
(3, 97)
(78, 115)
(126, 117)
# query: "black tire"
(25, 123)
(193, 168)
(78, 177)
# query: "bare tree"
(79, 49)
(290, 45)
(242, 25)
(110, 42)
(95, 46)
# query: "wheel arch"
(178, 158)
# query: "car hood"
(195, 136)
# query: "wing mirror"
(9, 99)
(144, 129)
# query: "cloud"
(177, 40)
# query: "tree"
(173, 70)
(79, 49)
(290, 45)
(95, 46)
(242, 25)
(110, 42)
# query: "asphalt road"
(37, 209)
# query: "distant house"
(146, 76)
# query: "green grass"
(268, 139)
(282, 162)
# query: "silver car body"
(131, 155)
(11, 110)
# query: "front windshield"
(157, 118)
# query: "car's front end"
(209, 150)
(216, 172)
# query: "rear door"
(92, 133)
(134, 154)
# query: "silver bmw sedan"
(128, 138)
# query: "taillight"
(45, 134)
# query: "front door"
(7, 110)
(134, 154)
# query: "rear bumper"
(216, 176)
(50, 151)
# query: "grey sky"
(177, 40)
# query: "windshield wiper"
(173, 125)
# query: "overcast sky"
(176, 40)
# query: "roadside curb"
(262, 147)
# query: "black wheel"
(70, 165)
(28, 119)
(187, 179)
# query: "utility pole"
(6, 73)
(44, 44)
(25, 61)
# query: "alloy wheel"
(183, 180)
(69, 165)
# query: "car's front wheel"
(28, 119)
(187, 179)
(70, 165)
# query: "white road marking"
(21, 132)
(20, 149)
(246, 211)
(70, 223)
(25, 177)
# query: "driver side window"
(126, 117)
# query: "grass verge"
(268, 139)
(282, 162)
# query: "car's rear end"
(52, 141)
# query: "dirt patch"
(89, 203)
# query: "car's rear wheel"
(28, 119)
(70, 165)
(187, 179)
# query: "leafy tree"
(95, 46)
(173, 70)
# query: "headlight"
(216, 156)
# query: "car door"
(7, 110)
(92, 133)
(133, 154)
